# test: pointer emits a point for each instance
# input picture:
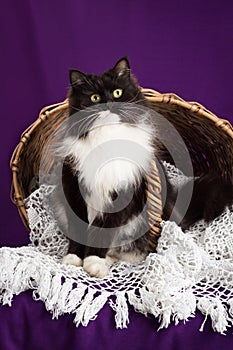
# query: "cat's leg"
(96, 262)
(61, 217)
(75, 254)
(96, 266)
(72, 259)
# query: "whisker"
(136, 114)
(77, 109)
(69, 128)
(129, 116)
(87, 126)
(87, 121)
(84, 108)
(135, 97)
(139, 101)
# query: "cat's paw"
(72, 259)
(95, 266)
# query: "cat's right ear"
(122, 67)
(76, 77)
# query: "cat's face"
(115, 85)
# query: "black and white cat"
(111, 198)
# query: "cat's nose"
(107, 106)
(110, 106)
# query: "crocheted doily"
(189, 271)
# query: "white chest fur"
(111, 157)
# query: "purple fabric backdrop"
(173, 46)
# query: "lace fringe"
(24, 268)
(189, 271)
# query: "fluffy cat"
(121, 184)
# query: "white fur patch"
(95, 266)
(129, 232)
(110, 158)
(130, 257)
(125, 239)
(72, 259)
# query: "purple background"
(173, 46)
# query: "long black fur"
(211, 194)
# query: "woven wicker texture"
(208, 138)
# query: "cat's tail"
(211, 195)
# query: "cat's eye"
(117, 93)
(95, 98)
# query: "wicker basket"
(208, 138)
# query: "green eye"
(95, 98)
(117, 93)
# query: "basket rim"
(194, 107)
(152, 96)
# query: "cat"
(107, 235)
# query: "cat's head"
(115, 85)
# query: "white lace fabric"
(189, 271)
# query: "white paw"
(72, 259)
(95, 266)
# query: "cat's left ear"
(76, 77)
(122, 67)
